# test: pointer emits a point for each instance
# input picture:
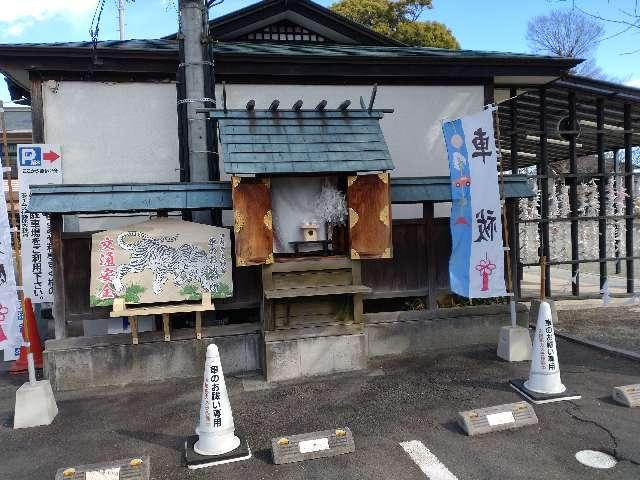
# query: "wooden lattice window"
(283, 31)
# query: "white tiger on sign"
(186, 263)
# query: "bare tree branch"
(565, 33)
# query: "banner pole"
(14, 217)
(505, 226)
(16, 246)
(543, 268)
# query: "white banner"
(487, 249)
(10, 335)
(476, 267)
(37, 165)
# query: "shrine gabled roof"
(303, 141)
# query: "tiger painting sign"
(161, 260)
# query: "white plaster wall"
(413, 131)
(113, 132)
(128, 132)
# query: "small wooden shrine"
(311, 201)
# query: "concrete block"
(309, 356)
(309, 446)
(282, 360)
(497, 418)
(35, 405)
(418, 332)
(138, 468)
(514, 344)
(628, 395)
(71, 367)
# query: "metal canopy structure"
(573, 131)
(520, 118)
(302, 141)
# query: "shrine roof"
(301, 141)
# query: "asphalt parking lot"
(394, 401)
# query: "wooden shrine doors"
(369, 205)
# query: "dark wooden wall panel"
(407, 270)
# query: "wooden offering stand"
(120, 310)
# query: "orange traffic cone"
(31, 341)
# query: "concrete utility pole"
(192, 14)
(121, 18)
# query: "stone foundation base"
(314, 351)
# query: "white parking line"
(433, 468)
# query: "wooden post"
(543, 277)
(37, 111)
(59, 302)
(199, 325)
(206, 301)
(166, 327)
(629, 207)
(602, 197)
(268, 317)
(544, 186)
(618, 269)
(356, 279)
(427, 215)
(357, 308)
(513, 241)
(573, 197)
(133, 323)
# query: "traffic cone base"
(195, 460)
(538, 398)
(544, 384)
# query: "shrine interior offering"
(160, 260)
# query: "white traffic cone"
(544, 384)
(216, 430)
(216, 442)
(544, 376)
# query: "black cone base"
(195, 460)
(537, 397)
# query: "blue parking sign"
(30, 156)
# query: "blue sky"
(491, 25)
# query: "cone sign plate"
(500, 418)
(314, 445)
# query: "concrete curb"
(600, 346)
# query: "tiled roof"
(361, 51)
(134, 44)
(265, 142)
(285, 49)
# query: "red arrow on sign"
(50, 156)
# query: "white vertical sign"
(476, 266)
(10, 336)
(37, 165)
(486, 268)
